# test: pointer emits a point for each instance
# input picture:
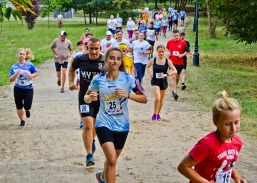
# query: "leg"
(64, 70)
(28, 98)
(157, 96)
(162, 94)
(139, 71)
(19, 98)
(87, 133)
(174, 83)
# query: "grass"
(14, 35)
(225, 65)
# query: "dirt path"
(50, 149)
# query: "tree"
(29, 17)
(5, 13)
(240, 16)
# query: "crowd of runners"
(108, 73)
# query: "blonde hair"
(224, 103)
(29, 54)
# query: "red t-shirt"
(175, 48)
(212, 155)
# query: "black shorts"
(162, 83)
(58, 66)
(151, 42)
(88, 109)
(175, 22)
(23, 98)
(182, 18)
(106, 135)
(118, 28)
(185, 63)
(179, 68)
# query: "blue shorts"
(112, 31)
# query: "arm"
(71, 76)
(185, 168)
(90, 96)
(137, 97)
(236, 177)
(149, 65)
(14, 76)
(32, 75)
(54, 54)
(173, 70)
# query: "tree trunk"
(90, 17)
(156, 7)
(85, 19)
(212, 25)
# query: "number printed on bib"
(175, 53)
(113, 107)
(158, 75)
(84, 108)
(223, 177)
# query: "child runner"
(112, 122)
(128, 60)
(22, 73)
(164, 23)
(215, 155)
(159, 74)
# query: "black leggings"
(23, 98)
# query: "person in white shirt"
(119, 22)
(141, 50)
(130, 27)
(120, 39)
(111, 25)
(107, 42)
(59, 20)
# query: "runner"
(170, 22)
(159, 74)
(157, 27)
(59, 19)
(136, 33)
(22, 73)
(175, 19)
(130, 27)
(141, 50)
(164, 23)
(89, 65)
(183, 72)
(59, 48)
(150, 32)
(215, 155)
(83, 36)
(119, 21)
(112, 123)
(107, 42)
(177, 49)
(182, 15)
(111, 25)
(120, 39)
(128, 60)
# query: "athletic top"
(130, 25)
(106, 44)
(139, 46)
(87, 69)
(175, 48)
(175, 16)
(164, 22)
(23, 81)
(150, 32)
(113, 112)
(112, 23)
(128, 63)
(158, 70)
(119, 22)
(157, 24)
(182, 14)
(61, 49)
(125, 41)
(215, 158)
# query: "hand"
(120, 92)
(29, 76)
(18, 72)
(180, 55)
(150, 76)
(240, 180)
(73, 87)
(93, 96)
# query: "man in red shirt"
(177, 49)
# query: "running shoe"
(175, 96)
(59, 82)
(62, 90)
(158, 117)
(27, 114)
(98, 177)
(93, 147)
(22, 124)
(81, 124)
(154, 117)
(183, 87)
(90, 160)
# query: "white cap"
(108, 33)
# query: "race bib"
(175, 53)
(223, 177)
(84, 108)
(158, 75)
(23, 82)
(113, 107)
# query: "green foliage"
(125, 14)
(49, 6)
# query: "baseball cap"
(85, 40)
(108, 33)
(182, 34)
(63, 33)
